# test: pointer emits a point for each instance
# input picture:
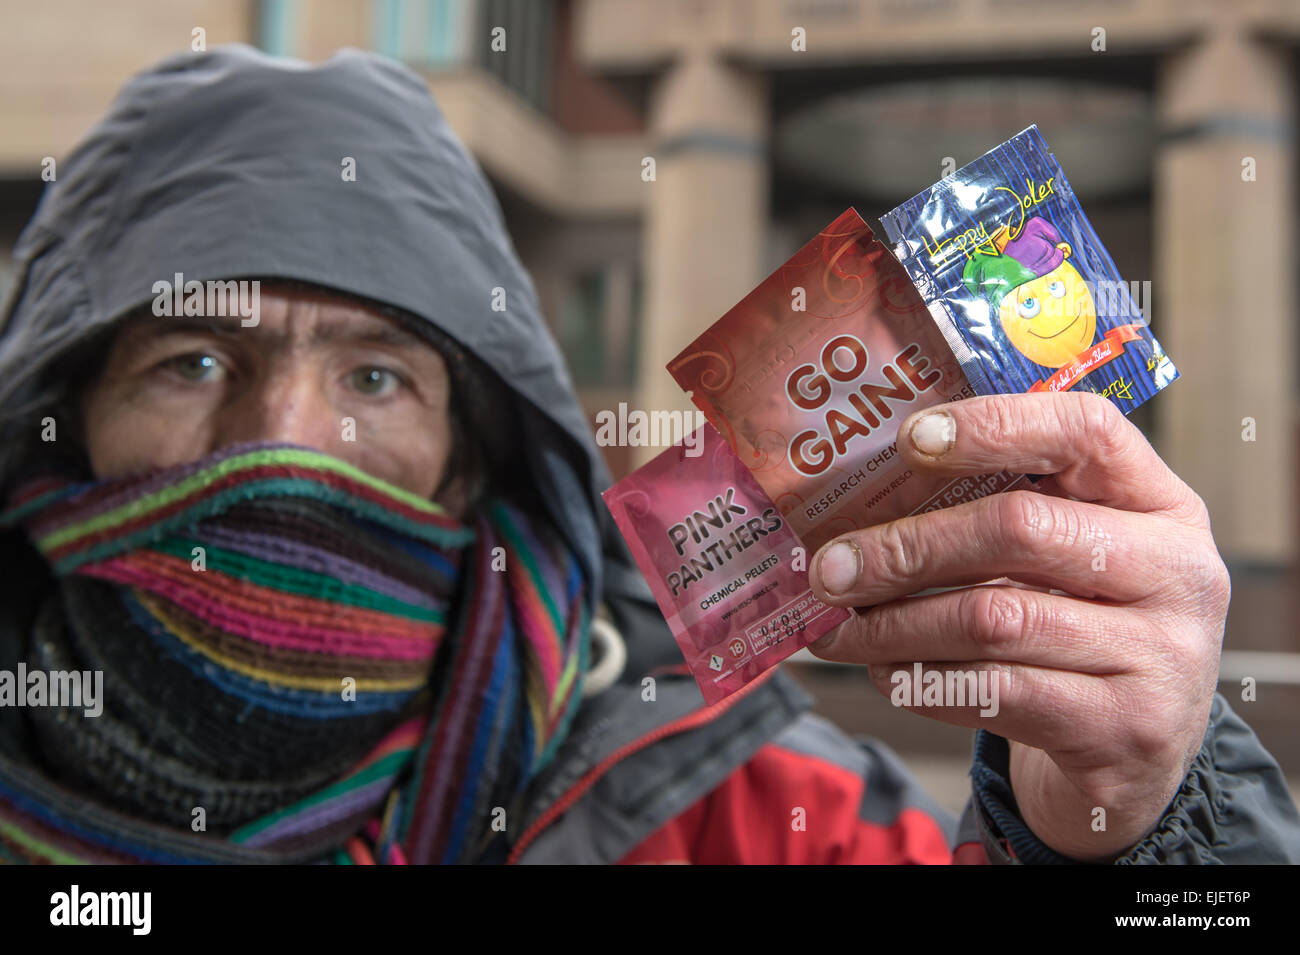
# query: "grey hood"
(229, 164)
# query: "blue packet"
(1021, 287)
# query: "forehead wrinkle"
(288, 324)
(318, 322)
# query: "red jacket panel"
(789, 807)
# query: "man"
(338, 552)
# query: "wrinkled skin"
(1099, 601)
(172, 390)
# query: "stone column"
(706, 211)
(1225, 258)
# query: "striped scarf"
(300, 663)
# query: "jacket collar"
(630, 764)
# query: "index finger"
(1096, 454)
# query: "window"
(525, 64)
(427, 33)
(434, 34)
(276, 26)
(598, 325)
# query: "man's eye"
(1057, 289)
(374, 381)
(196, 366)
(1029, 307)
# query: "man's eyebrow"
(172, 326)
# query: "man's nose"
(289, 406)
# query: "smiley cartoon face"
(1042, 302)
(1052, 318)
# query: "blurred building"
(1175, 121)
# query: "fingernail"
(840, 566)
(934, 433)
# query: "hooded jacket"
(228, 164)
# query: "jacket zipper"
(690, 721)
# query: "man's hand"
(1103, 620)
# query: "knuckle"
(1167, 555)
(1197, 572)
(1218, 582)
(1222, 581)
(897, 553)
(1148, 735)
(1096, 422)
(868, 629)
(1001, 421)
(1000, 618)
(1022, 520)
(1194, 510)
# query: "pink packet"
(809, 376)
(720, 560)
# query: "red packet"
(727, 571)
(809, 376)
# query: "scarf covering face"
(314, 664)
